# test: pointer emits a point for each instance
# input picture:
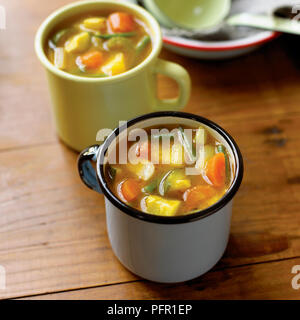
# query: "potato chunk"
(174, 180)
(180, 185)
(201, 136)
(174, 156)
(95, 23)
(144, 170)
(205, 153)
(160, 206)
(78, 43)
(115, 66)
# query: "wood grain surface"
(53, 240)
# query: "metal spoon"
(283, 19)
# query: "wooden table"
(53, 240)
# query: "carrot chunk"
(121, 22)
(130, 189)
(92, 60)
(194, 196)
(215, 170)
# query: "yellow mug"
(83, 105)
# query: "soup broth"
(99, 44)
(190, 173)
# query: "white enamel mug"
(157, 248)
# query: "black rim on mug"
(101, 153)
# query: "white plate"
(214, 50)
(218, 50)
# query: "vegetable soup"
(99, 44)
(176, 171)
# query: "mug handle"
(181, 76)
(86, 171)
